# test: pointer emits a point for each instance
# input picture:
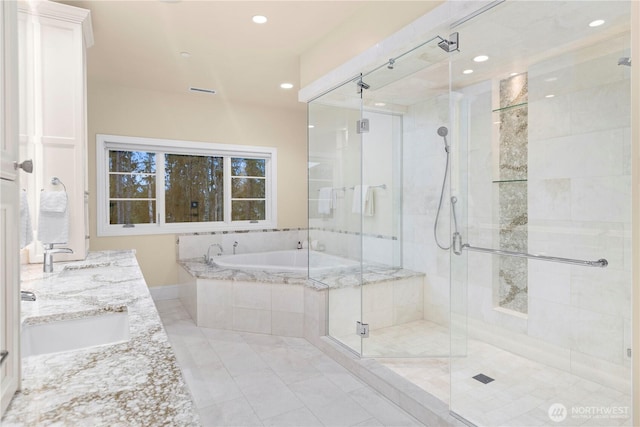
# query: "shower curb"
(420, 404)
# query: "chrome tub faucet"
(207, 257)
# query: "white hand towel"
(26, 231)
(53, 201)
(53, 220)
(363, 200)
(358, 200)
(325, 200)
(369, 202)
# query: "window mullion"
(268, 194)
(160, 174)
(227, 189)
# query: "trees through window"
(162, 186)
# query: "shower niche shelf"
(510, 107)
(502, 181)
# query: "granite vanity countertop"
(337, 278)
(134, 383)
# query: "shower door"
(542, 173)
(374, 158)
(405, 298)
(335, 228)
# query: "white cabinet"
(9, 208)
(53, 127)
(10, 295)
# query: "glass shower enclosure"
(518, 143)
(358, 193)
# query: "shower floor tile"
(245, 379)
(523, 390)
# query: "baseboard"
(159, 293)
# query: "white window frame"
(104, 143)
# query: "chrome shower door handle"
(26, 166)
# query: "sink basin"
(66, 335)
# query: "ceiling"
(139, 44)
(516, 36)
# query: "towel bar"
(599, 263)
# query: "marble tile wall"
(424, 160)
(578, 206)
(196, 245)
(380, 305)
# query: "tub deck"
(337, 278)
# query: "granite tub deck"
(290, 304)
(134, 383)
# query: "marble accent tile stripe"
(263, 230)
(353, 233)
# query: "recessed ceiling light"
(469, 71)
(311, 126)
(259, 19)
(480, 58)
(286, 86)
(185, 54)
(596, 23)
(379, 104)
(549, 96)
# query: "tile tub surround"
(288, 303)
(137, 382)
(195, 245)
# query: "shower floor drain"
(483, 378)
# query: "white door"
(9, 208)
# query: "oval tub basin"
(295, 261)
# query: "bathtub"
(295, 261)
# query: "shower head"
(443, 132)
(391, 63)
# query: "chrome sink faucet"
(27, 296)
(207, 257)
(49, 250)
(235, 245)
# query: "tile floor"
(245, 379)
(521, 394)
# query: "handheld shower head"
(443, 132)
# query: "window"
(155, 186)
